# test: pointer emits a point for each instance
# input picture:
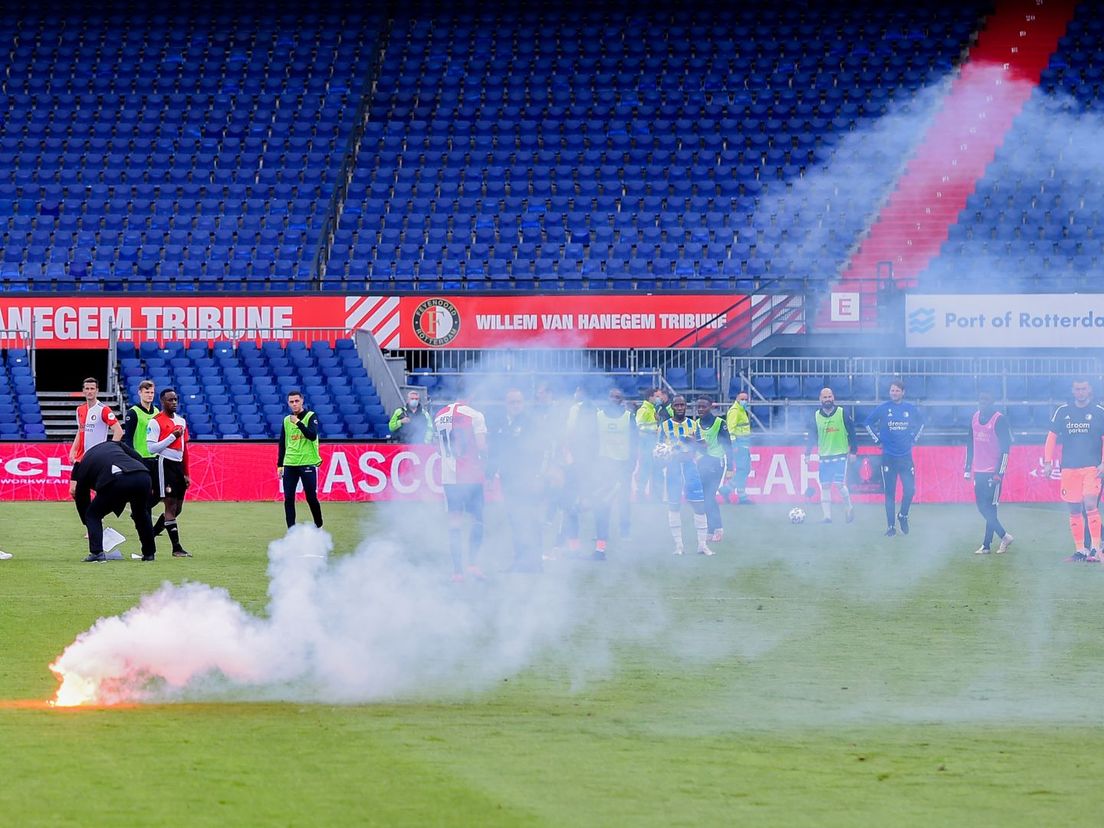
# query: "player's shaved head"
(827, 397)
(1082, 391)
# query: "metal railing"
(349, 160)
(938, 384)
(212, 335)
(562, 360)
(999, 375)
(14, 338)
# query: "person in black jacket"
(118, 476)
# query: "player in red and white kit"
(462, 441)
(167, 440)
(94, 422)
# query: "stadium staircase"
(58, 409)
(1002, 70)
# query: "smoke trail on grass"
(369, 626)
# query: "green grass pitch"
(806, 675)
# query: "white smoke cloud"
(368, 626)
(377, 624)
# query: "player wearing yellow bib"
(649, 476)
(616, 433)
(834, 439)
(684, 442)
(714, 464)
(298, 459)
(739, 429)
(136, 423)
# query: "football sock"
(700, 526)
(174, 533)
(159, 526)
(455, 551)
(674, 521)
(846, 492)
(475, 540)
(1077, 528)
(1094, 527)
(826, 503)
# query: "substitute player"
(895, 426)
(298, 458)
(649, 476)
(833, 436)
(1079, 430)
(167, 440)
(462, 441)
(136, 424)
(987, 449)
(611, 478)
(738, 420)
(714, 464)
(684, 440)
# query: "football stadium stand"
(240, 391)
(197, 152)
(467, 147)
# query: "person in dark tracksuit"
(116, 473)
(895, 427)
(298, 459)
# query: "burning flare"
(75, 689)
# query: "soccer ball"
(797, 515)
(662, 451)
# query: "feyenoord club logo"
(436, 322)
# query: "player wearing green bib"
(612, 481)
(715, 464)
(738, 421)
(833, 437)
(649, 475)
(298, 459)
(137, 420)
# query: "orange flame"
(74, 690)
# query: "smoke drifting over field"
(364, 627)
(384, 623)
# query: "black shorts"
(464, 497)
(901, 465)
(169, 479)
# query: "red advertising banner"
(80, 322)
(575, 321)
(375, 471)
(590, 321)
